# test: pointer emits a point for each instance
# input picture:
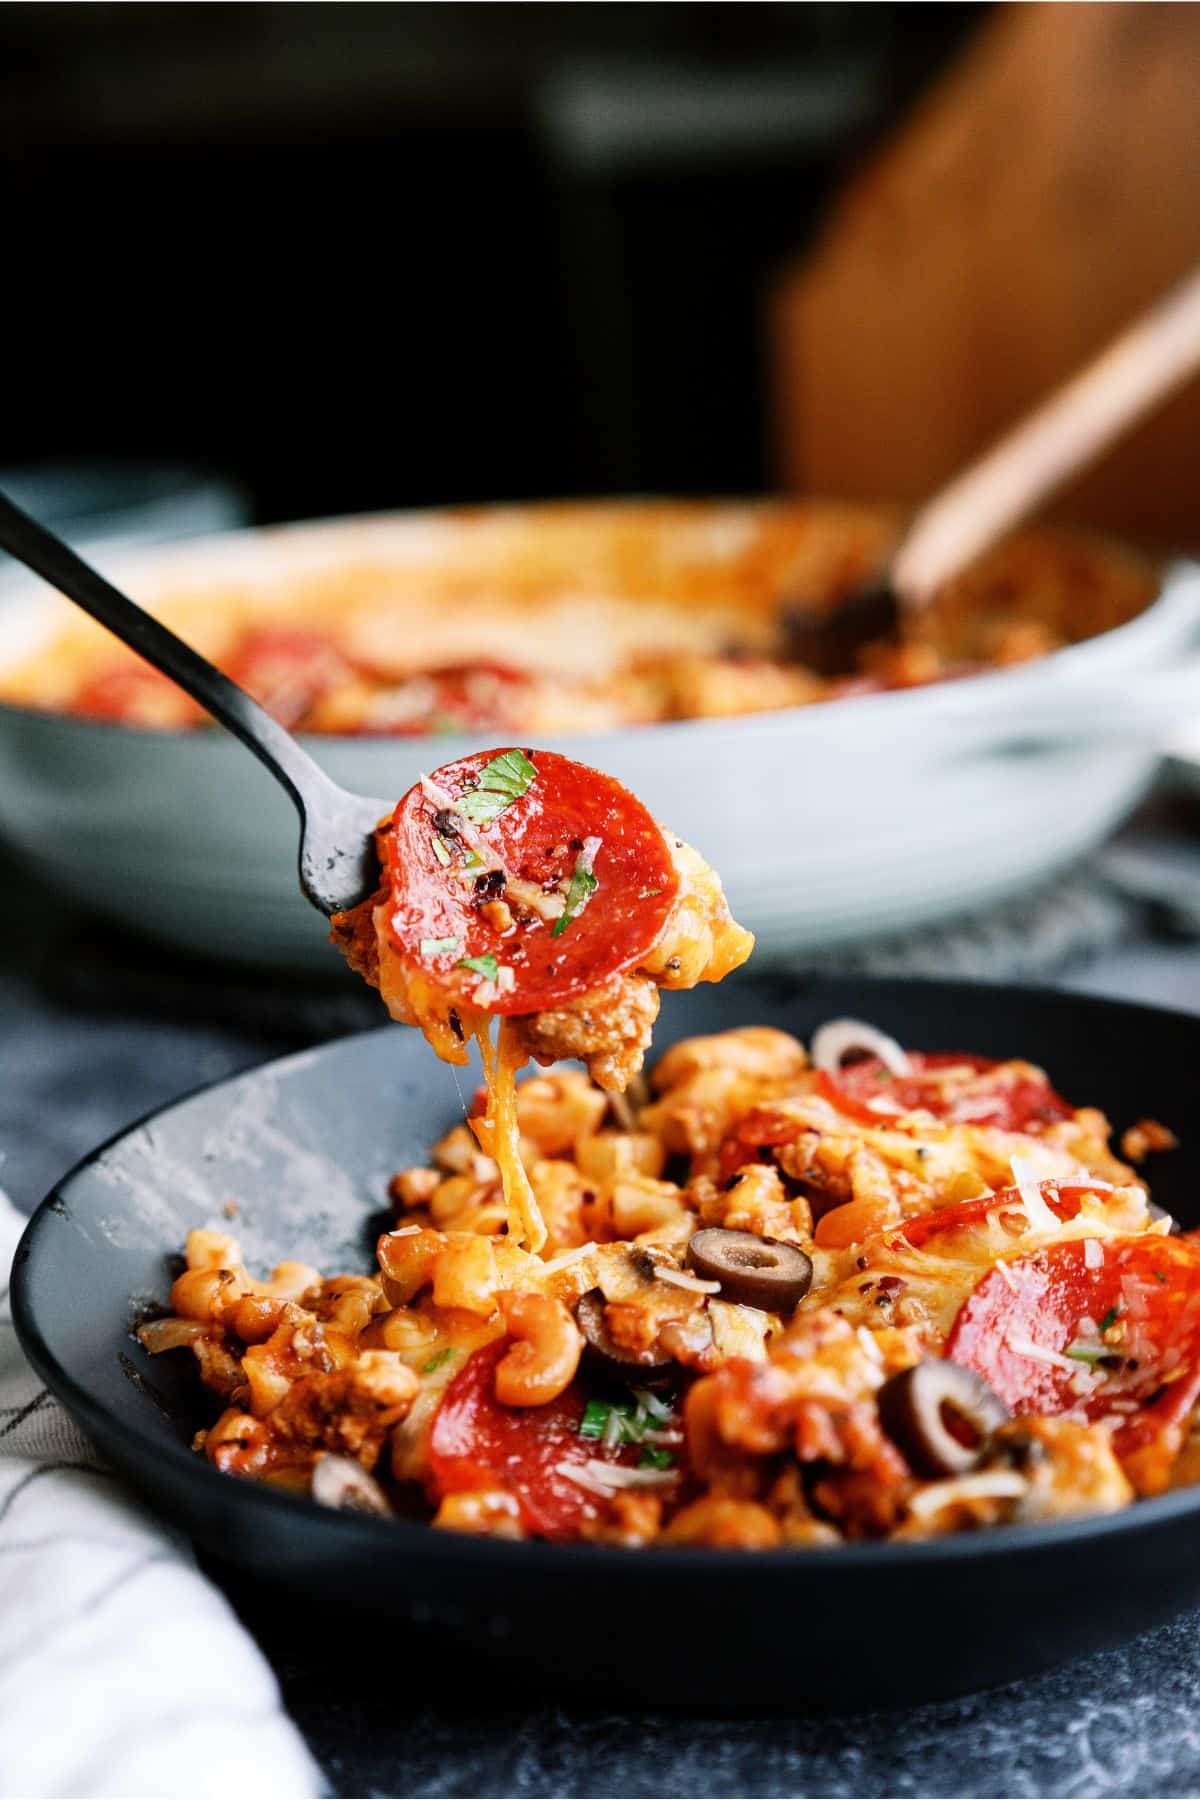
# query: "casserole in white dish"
(827, 822)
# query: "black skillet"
(302, 1148)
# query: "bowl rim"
(1178, 591)
(534, 1555)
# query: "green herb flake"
(501, 781)
(486, 966)
(654, 1458)
(651, 893)
(635, 1423)
(1159, 1276)
(440, 1360)
(440, 850)
(1088, 1353)
(1110, 1318)
(596, 1415)
(583, 886)
(438, 947)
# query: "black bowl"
(302, 1149)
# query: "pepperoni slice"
(759, 1132)
(538, 819)
(136, 694)
(1016, 1101)
(1064, 1202)
(455, 697)
(477, 1442)
(1144, 1291)
(287, 668)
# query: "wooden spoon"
(338, 866)
(1138, 370)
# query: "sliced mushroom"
(940, 1415)
(608, 1357)
(752, 1270)
(342, 1483)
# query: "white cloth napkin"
(122, 1670)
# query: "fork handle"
(1141, 367)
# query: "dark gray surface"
(90, 1038)
(1124, 1723)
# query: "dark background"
(364, 256)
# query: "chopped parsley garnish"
(1159, 1276)
(624, 1422)
(1088, 1353)
(501, 781)
(651, 893)
(1110, 1318)
(653, 1458)
(439, 946)
(440, 850)
(486, 966)
(596, 1415)
(440, 1360)
(583, 886)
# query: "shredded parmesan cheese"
(833, 1042)
(1036, 1211)
(587, 856)
(1041, 1353)
(568, 1257)
(677, 1278)
(607, 1479)
(986, 1484)
(1093, 1253)
(406, 1231)
(437, 796)
(650, 1403)
(610, 1437)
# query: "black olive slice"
(752, 1270)
(940, 1415)
(610, 1358)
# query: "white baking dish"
(828, 823)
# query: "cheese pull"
(520, 885)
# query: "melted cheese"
(499, 1134)
(700, 941)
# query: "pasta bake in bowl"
(649, 639)
(827, 1328)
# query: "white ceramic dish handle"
(1149, 708)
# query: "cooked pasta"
(780, 1302)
